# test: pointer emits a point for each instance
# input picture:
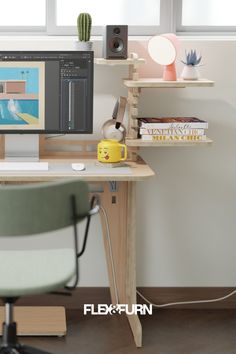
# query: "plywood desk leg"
(120, 209)
(131, 296)
(114, 202)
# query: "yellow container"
(111, 151)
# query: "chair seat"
(35, 271)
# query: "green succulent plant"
(192, 58)
(84, 24)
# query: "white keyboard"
(23, 166)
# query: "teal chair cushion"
(35, 272)
(38, 208)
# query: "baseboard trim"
(101, 295)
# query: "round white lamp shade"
(163, 50)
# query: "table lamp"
(163, 50)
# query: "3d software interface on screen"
(46, 91)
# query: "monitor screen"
(46, 92)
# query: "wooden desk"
(139, 171)
(118, 199)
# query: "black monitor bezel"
(44, 131)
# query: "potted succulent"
(84, 24)
(191, 63)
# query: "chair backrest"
(38, 208)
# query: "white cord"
(108, 235)
(187, 302)
(138, 292)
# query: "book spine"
(171, 131)
(174, 125)
(173, 137)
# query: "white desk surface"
(61, 168)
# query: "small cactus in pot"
(192, 61)
(84, 25)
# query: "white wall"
(188, 229)
(186, 215)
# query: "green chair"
(36, 209)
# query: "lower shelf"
(142, 143)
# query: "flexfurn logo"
(104, 309)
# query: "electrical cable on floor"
(186, 302)
(108, 235)
(191, 302)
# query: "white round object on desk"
(78, 166)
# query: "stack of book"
(172, 129)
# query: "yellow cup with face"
(111, 151)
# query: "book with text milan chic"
(173, 137)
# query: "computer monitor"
(49, 92)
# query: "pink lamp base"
(169, 73)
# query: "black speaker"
(115, 42)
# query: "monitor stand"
(22, 147)
(22, 153)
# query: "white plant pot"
(83, 46)
(190, 72)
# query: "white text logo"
(104, 309)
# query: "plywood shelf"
(134, 83)
(142, 143)
(160, 83)
(129, 61)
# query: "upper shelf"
(149, 83)
(129, 61)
